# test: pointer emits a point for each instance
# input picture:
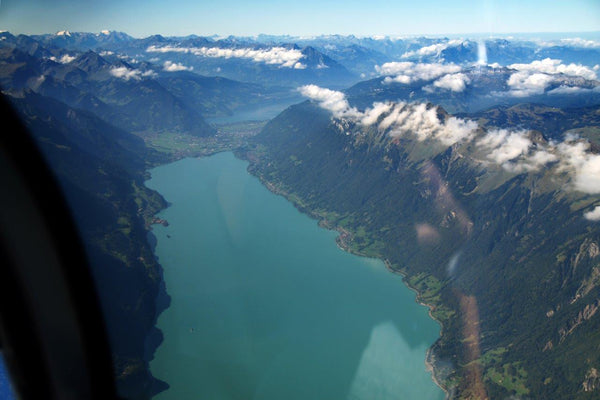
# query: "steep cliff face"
(592, 381)
(505, 258)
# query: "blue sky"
(308, 17)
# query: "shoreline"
(340, 242)
(429, 355)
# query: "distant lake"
(262, 113)
(266, 306)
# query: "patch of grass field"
(511, 376)
(493, 356)
(228, 138)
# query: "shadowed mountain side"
(138, 105)
(101, 171)
(218, 97)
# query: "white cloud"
(106, 53)
(569, 42)
(400, 118)
(516, 152)
(423, 122)
(562, 89)
(535, 161)
(65, 59)
(580, 161)
(434, 49)
(579, 42)
(593, 215)
(281, 56)
(127, 74)
(405, 79)
(371, 115)
(170, 66)
(505, 145)
(513, 150)
(535, 77)
(525, 83)
(553, 66)
(149, 74)
(454, 82)
(407, 72)
(331, 100)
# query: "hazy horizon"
(466, 35)
(309, 18)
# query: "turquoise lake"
(266, 306)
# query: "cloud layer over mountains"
(516, 151)
(535, 77)
(434, 49)
(127, 73)
(524, 79)
(171, 66)
(284, 57)
(407, 72)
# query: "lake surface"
(266, 306)
(261, 113)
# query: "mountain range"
(469, 165)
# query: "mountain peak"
(63, 33)
(157, 37)
(6, 35)
(89, 61)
